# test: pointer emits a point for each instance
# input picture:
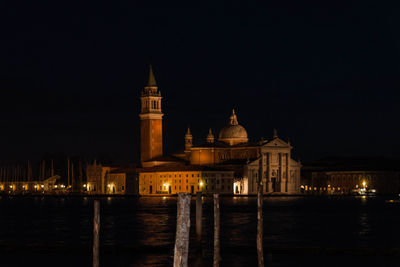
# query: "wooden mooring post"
(181, 250)
(260, 251)
(217, 257)
(199, 215)
(96, 233)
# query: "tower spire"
(152, 81)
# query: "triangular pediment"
(276, 142)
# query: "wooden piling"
(181, 249)
(217, 257)
(199, 215)
(260, 251)
(68, 169)
(96, 233)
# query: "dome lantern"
(233, 133)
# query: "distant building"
(96, 178)
(49, 186)
(343, 176)
(111, 180)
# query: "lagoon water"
(298, 231)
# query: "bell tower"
(150, 120)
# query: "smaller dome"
(233, 133)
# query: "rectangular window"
(179, 187)
(123, 188)
(187, 187)
(187, 181)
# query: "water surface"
(302, 231)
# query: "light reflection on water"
(141, 231)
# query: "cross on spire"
(275, 133)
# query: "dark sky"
(71, 76)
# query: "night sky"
(71, 76)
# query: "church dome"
(233, 133)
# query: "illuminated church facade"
(229, 164)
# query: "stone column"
(281, 178)
(289, 185)
(262, 170)
(269, 171)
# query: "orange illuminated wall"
(150, 139)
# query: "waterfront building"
(176, 178)
(229, 164)
(232, 152)
(346, 176)
(111, 179)
(50, 185)
(96, 178)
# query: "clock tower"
(150, 121)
